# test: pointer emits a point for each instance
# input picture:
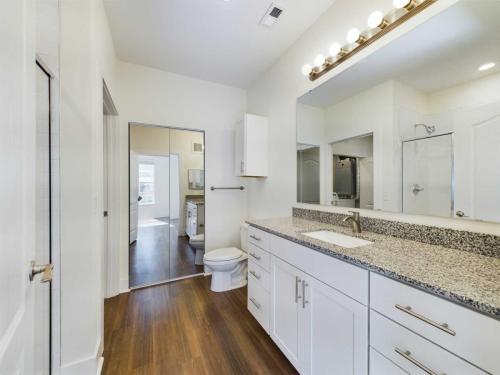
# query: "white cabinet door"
(251, 146)
(335, 337)
(286, 308)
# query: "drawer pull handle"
(297, 281)
(406, 354)
(443, 327)
(304, 302)
(255, 275)
(255, 237)
(257, 305)
(255, 256)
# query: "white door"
(286, 308)
(335, 338)
(477, 163)
(134, 196)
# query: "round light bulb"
(486, 66)
(376, 19)
(400, 4)
(319, 60)
(353, 35)
(335, 49)
(306, 69)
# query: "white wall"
(152, 96)
(87, 56)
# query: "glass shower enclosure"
(427, 181)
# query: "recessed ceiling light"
(486, 66)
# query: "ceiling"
(214, 40)
(442, 52)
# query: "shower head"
(428, 128)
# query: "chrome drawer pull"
(255, 275)
(304, 284)
(255, 237)
(443, 327)
(255, 256)
(406, 354)
(257, 305)
(297, 281)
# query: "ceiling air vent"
(271, 16)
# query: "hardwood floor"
(159, 254)
(184, 328)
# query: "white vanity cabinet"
(251, 146)
(318, 328)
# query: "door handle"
(257, 276)
(45, 270)
(460, 214)
(139, 198)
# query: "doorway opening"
(166, 204)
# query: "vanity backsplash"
(478, 243)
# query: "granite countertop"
(466, 278)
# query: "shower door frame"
(451, 134)
(134, 123)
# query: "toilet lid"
(227, 253)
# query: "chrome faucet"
(355, 220)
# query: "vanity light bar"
(339, 54)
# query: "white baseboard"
(85, 366)
(124, 287)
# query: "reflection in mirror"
(413, 130)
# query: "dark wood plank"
(159, 254)
(184, 328)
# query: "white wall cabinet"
(251, 146)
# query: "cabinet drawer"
(259, 256)
(412, 352)
(258, 237)
(468, 334)
(379, 365)
(258, 275)
(258, 303)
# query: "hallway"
(184, 328)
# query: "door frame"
(54, 217)
(111, 241)
(130, 124)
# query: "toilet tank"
(244, 236)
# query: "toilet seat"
(224, 254)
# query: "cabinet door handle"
(304, 301)
(242, 165)
(255, 256)
(443, 327)
(255, 274)
(256, 304)
(406, 354)
(255, 237)
(297, 281)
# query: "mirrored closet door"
(167, 204)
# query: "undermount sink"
(337, 239)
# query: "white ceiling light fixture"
(354, 36)
(486, 66)
(319, 60)
(306, 69)
(377, 20)
(336, 50)
(406, 4)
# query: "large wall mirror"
(415, 126)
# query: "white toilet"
(228, 265)
(198, 242)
